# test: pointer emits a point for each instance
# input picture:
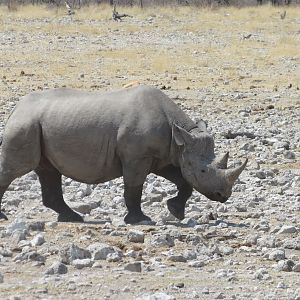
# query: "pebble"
(287, 229)
(82, 263)
(100, 251)
(285, 265)
(296, 267)
(162, 240)
(156, 296)
(73, 252)
(277, 255)
(135, 236)
(1, 278)
(57, 268)
(133, 267)
(38, 240)
(262, 274)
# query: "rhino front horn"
(233, 174)
(221, 162)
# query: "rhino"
(95, 137)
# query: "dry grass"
(221, 56)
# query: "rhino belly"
(89, 158)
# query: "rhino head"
(199, 166)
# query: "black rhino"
(93, 137)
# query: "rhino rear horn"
(221, 162)
(233, 174)
(181, 136)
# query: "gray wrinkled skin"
(93, 138)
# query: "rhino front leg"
(176, 205)
(134, 175)
(50, 180)
(132, 197)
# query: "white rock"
(285, 265)
(114, 257)
(74, 252)
(136, 236)
(83, 208)
(196, 264)
(286, 229)
(296, 267)
(262, 274)
(156, 296)
(38, 240)
(18, 225)
(162, 240)
(82, 263)
(100, 251)
(277, 255)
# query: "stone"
(277, 255)
(285, 265)
(266, 241)
(156, 296)
(292, 243)
(82, 263)
(100, 251)
(36, 226)
(135, 236)
(296, 267)
(73, 252)
(196, 264)
(162, 240)
(18, 225)
(29, 255)
(261, 274)
(51, 225)
(287, 229)
(83, 208)
(57, 268)
(176, 258)
(114, 257)
(289, 155)
(225, 250)
(1, 278)
(133, 267)
(38, 240)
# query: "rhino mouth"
(216, 196)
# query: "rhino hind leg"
(176, 205)
(2, 191)
(50, 180)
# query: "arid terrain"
(239, 70)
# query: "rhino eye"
(202, 171)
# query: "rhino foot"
(176, 210)
(3, 216)
(70, 216)
(136, 217)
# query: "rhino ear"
(181, 136)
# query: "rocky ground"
(247, 248)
